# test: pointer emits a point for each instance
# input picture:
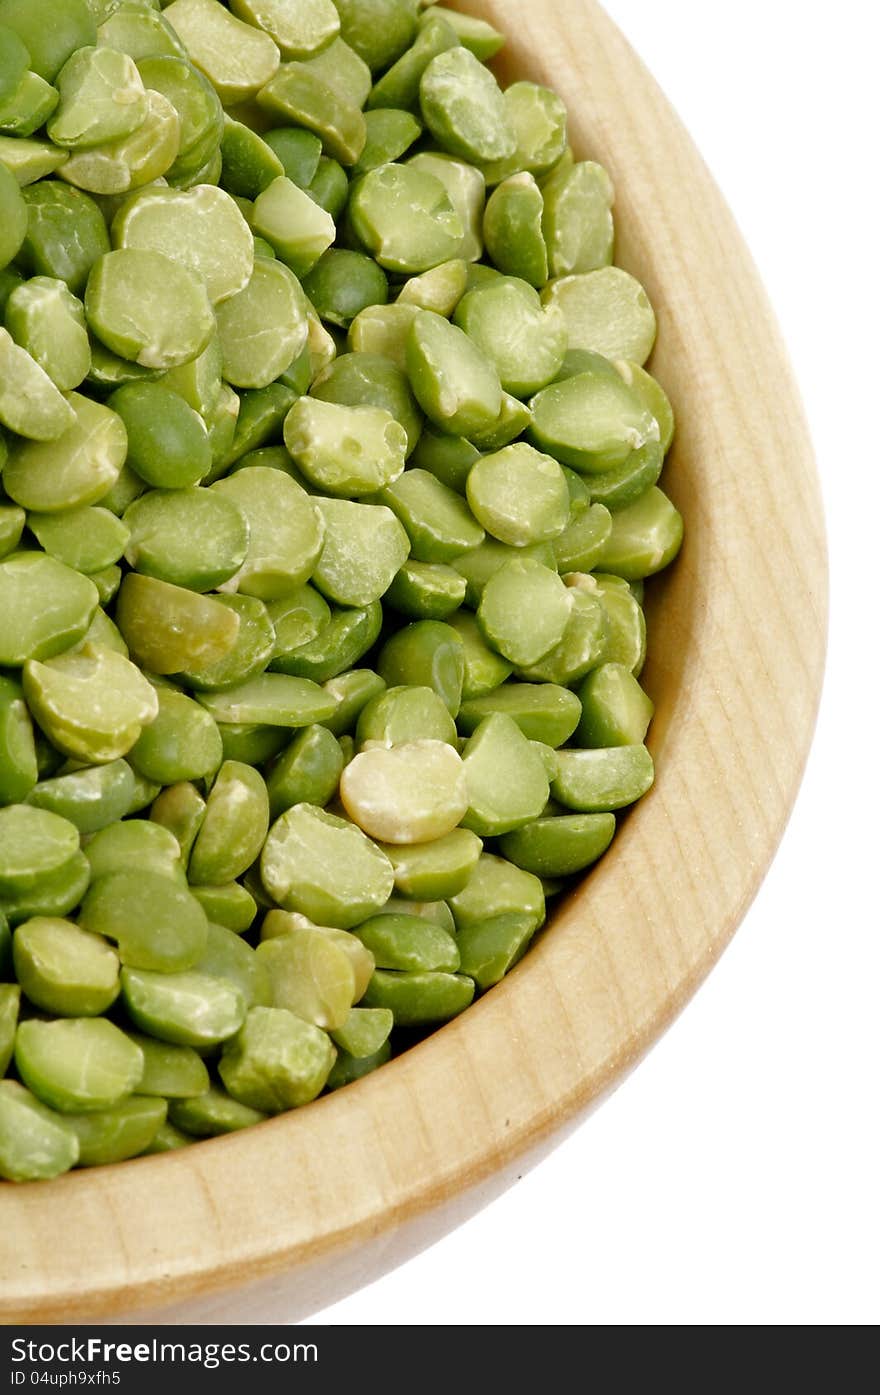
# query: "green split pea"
(330, 478)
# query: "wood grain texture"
(737, 635)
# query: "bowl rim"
(737, 652)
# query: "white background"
(733, 1178)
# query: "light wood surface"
(333, 1194)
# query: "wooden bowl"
(350, 1185)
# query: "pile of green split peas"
(329, 485)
